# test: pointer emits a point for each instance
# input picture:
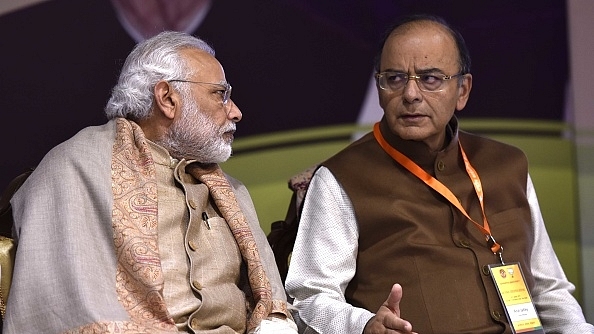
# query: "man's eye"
(396, 77)
(430, 78)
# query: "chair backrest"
(282, 237)
(7, 245)
(284, 232)
(6, 220)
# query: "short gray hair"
(150, 61)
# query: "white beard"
(196, 137)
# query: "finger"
(393, 301)
(397, 324)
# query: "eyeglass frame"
(416, 78)
(226, 85)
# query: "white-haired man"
(132, 227)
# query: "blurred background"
(302, 71)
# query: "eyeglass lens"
(226, 92)
(395, 81)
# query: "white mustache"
(231, 127)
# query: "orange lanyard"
(442, 189)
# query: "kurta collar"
(418, 151)
(161, 155)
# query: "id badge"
(515, 297)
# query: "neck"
(442, 141)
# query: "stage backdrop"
(293, 64)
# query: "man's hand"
(387, 318)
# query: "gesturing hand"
(387, 318)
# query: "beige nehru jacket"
(201, 262)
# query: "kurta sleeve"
(552, 293)
(324, 260)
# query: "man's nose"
(412, 91)
(234, 113)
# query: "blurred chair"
(284, 232)
(7, 245)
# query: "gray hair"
(151, 61)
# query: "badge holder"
(515, 297)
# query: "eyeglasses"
(225, 88)
(427, 82)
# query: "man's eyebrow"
(429, 70)
(417, 71)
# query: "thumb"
(393, 301)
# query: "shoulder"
(86, 153)
(88, 141)
(361, 146)
(481, 146)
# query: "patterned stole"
(139, 280)
(222, 193)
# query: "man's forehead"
(199, 57)
(202, 61)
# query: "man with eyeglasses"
(419, 227)
(132, 227)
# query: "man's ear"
(464, 91)
(166, 99)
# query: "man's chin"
(217, 159)
(222, 159)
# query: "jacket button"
(496, 315)
(486, 270)
(192, 245)
(194, 323)
(192, 204)
(197, 285)
(465, 243)
(440, 165)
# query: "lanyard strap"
(441, 188)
